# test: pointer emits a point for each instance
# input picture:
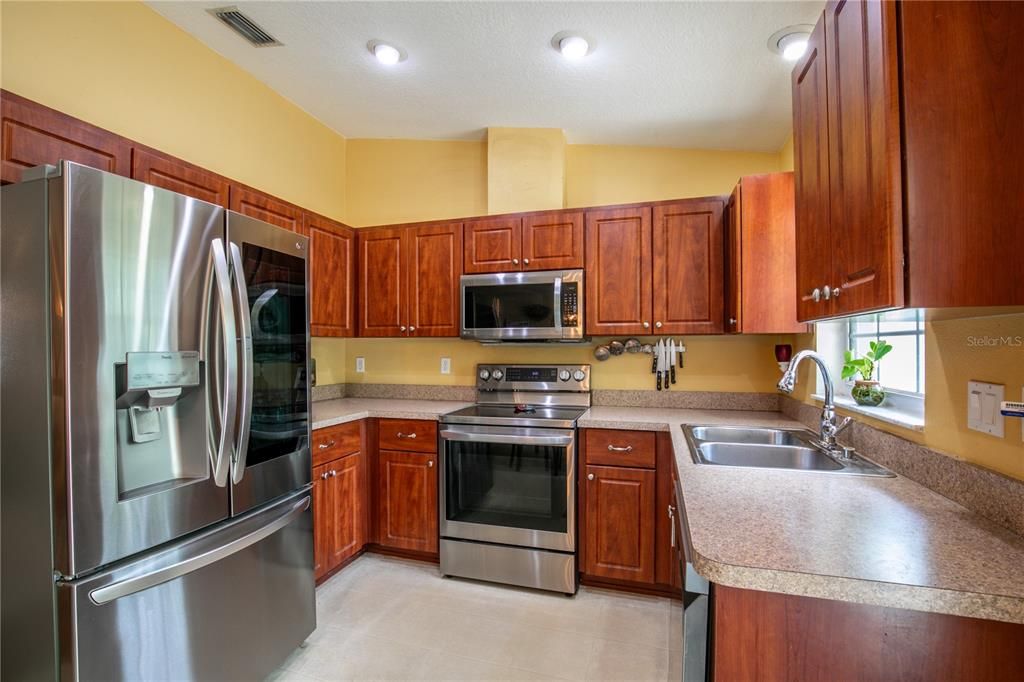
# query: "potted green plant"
(866, 391)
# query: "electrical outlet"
(360, 364)
(446, 365)
(983, 401)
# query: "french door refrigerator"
(154, 453)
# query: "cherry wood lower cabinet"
(339, 512)
(625, 529)
(769, 636)
(407, 501)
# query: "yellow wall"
(786, 155)
(525, 169)
(123, 67)
(395, 181)
(610, 174)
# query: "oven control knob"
(563, 375)
(497, 375)
(579, 375)
(485, 374)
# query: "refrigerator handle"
(220, 459)
(138, 583)
(245, 390)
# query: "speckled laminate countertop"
(341, 410)
(881, 541)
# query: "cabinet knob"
(613, 448)
(323, 476)
(430, 462)
(515, 261)
(836, 290)
(324, 446)
(590, 477)
(406, 435)
(402, 328)
(816, 294)
(826, 293)
(333, 473)
(657, 325)
(646, 325)
(732, 321)
(526, 261)
(411, 329)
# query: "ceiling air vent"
(244, 26)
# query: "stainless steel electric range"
(508, 477)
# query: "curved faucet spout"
(828, 413)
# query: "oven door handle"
(448, 434)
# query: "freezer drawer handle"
(129, 586)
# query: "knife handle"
(672, 373)
(654, 363)
(659, 381)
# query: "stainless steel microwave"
(523, 306)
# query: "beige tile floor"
(389, 619)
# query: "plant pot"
(868, 393)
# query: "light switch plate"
(360, 364)
(983, 401)
(446, 365)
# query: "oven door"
(509, 486)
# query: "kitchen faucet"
(828, 428)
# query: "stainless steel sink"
(766, 448)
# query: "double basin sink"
(767, 448)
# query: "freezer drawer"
(232, 603)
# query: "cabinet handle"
(732, 321)
(646, 325)
(826, 293)
(672, 518)
(323, 476)
(333, 473)
(430, 462)
(836, 290)
(402, 328)
(324, 446)
(406, 435)
(515, 261)
(411, 329)
(657, 325)
(590, 477)
(526, 261)
(816, 295)
(613, 448)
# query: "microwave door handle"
(221, 288)
(245, 389)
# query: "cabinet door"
(332, 276)
(865, 178)
(382, 270)
(688, 267)
(435, 265)
(553, 241)
(620, 523)
(733, 263)
(407, 498)
(260, 206)
(161, 170)
(810, 155)
(618, 280)
(493, 245)
(347, 531)
(323, 520)
(32, 135)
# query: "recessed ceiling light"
(385, 53)
(790, 42)
(571, 45)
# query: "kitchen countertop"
(341, 410)
(880, 541)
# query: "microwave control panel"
(570, 304)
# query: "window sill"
(883, 413)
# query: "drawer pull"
(324, 446)
(333, 473)
(613, 448)
(323, 476)
(406, 435)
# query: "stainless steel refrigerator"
(154, 453)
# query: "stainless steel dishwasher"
(696, 604)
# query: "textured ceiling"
(684, 74)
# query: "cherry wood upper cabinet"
(434, 267)
(811, 186)
(762, 249)
(261, 206)
(161, 170)
(618, 262)
(688, 269)
(332, 257)
(382, 270)
(553, 241)
(620, 523)
(493, 245)
(32, 135)
(407, 511)
(963, 95)
(865, 177)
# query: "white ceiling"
(681, 74)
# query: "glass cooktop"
(512, 415)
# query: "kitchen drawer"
(620, 448)
(409, 435)
(332, 442)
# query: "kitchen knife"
(672, 351)
(668, 364)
